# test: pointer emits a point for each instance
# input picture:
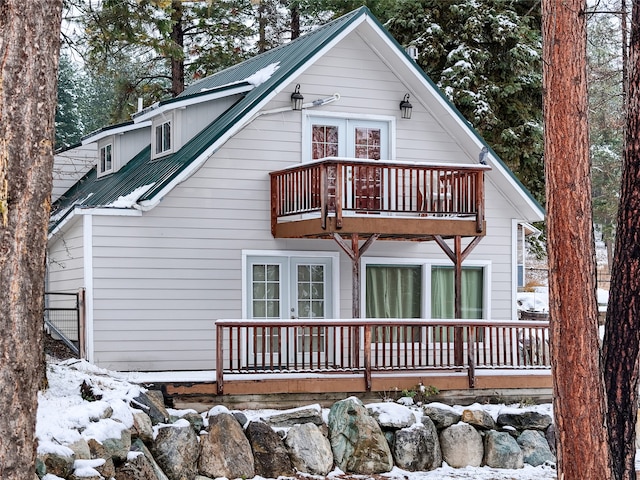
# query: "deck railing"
(334, 186)
(364, 347)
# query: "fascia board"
(160, 108)
(114, 131)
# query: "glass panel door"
(311, 300)
(266, 303)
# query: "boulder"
(225, 450)
(137, 467)
(417, 448)
(391, 416)
(98, 451)
(535, 448)
(138, 446)
(196, 421)
(58, 464)
(81, 449)
(525, 420)
(502, 451)
(479, 419)
(269, 453)
(176, 449)
(461, 446)
(88, 470)
(550, 435)
(295, 416)
(442, 417)
(357, 441)
(309, 449)
(142, 427)
(119, 447)
(152, 402)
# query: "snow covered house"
(319, 208)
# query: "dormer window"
(107, 161)
(163, 138)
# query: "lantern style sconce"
(297, 98)
(406, 107)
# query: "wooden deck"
(392, 200)
(357, 355)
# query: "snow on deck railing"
(366, 346)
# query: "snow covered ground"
(62, 412)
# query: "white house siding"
(163, 278)
(70, 166)
(65, 259)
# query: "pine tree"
(486, 57)
(68, 122)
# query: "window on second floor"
(163, 138)
(105, 165)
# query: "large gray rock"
(309, 449)
(98, 451)
(441, 416)
(479, 419)
(269, 453)
(152, 402)
(119, 447)
(136, 468)
(138, 446)
(461, 446)
(502, 451)
(535, 448)
(225, 450)
(176, 449)
(417, 448)
(142, 427)
(525, 420)
(357, 441)
(57, 464)
(80, 449)
(391, 416)
(550, 435)
(295, 416)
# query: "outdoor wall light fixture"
(406, 107)
(297, 98)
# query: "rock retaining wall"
(356, 438)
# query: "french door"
(353, 138)
(289, 288)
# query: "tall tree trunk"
(579, 396)
(295, 21)
(29, 49)
(177, 58)
(622, 336)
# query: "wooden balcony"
(278, 355)
(392, 200)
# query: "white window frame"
(344, 121)
(426, 264)
(102, 145)
(159, 123)
(334, 258)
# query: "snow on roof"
(263, 74)
(129, 200)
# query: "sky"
(62, 413)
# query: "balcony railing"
(365, 347)
(338, 187)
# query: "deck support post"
(219, 360)
(457, 256)
(355, 252)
